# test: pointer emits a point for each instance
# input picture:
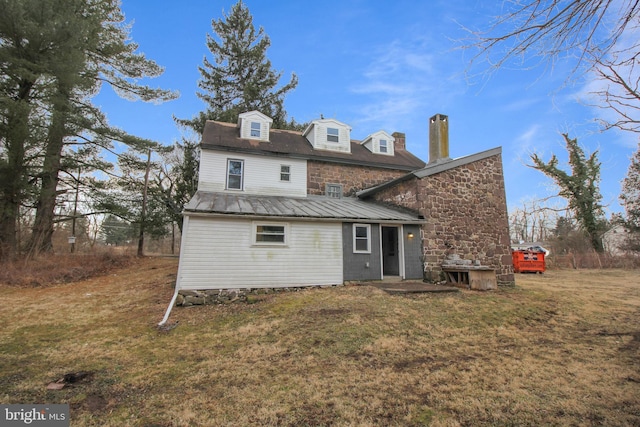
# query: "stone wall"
(353, 178)
(466, 215)
(188, 297)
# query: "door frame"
(400, 242)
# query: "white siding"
(372, 143)
(218, 254)
(245, 120)
(261, 174)
(317, 136)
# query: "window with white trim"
(333, 135)
(270, 233)
(333, 190)
(255, 129)
(235, 174)
(285, 173)
(362, 238)
(384, 147)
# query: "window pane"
(332, 135)
(361, 245)
(270, 233)
(284, 173)
(234, 175)
(383, 145)
(255, 129)
(361, 232)
(235, 182)
(235, 167)
(334, 190)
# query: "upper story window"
(255, 129)
(333, 135)
(235, 174)
(379, 142)
(329, 134)
(285, 173)
(334, 190)
(362, 238)
(254, 125)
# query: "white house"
(252, 223)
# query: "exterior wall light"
(410, 235)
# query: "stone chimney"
(438, 138)
(400, 143)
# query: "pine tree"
(92, 48)
(240, 77)
(580, 188)
(630, 198)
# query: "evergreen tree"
(117, 231)
(630, 198)
(78, 46)
(240, 77)
(580, 188)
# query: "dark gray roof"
(288, 143)
(310, 207)
(432, 169)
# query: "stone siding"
(187, 298)
(352, 177)
(466, 215)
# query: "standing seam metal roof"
(310, 207)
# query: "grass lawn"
(561, 348)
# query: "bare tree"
(534, 220)
(620, 91)
(589, 29)
(600, 36)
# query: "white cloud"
(401, 82)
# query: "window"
(235, 169)
(334, 190)
(255, 129)
(383, 146)
(361, 238)
(285, 173)
(270, 234)
(332, 135)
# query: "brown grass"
(53, 269)
(558, 349)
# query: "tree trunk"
(45, 207)
(13, 171)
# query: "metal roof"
(310, 208)
(432, 169)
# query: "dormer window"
(255, 129)
(329, 134)
(333, 135)
(379, 143)
(254, 125)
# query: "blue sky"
(383, 65)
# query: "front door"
(390, 252)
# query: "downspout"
(185, 228)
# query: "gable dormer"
(379, 143)
(329, 134)
(254, 125)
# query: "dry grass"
(46, 270)
(558, 349)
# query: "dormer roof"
(329, 134)
(380, 142)
(254, 125)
